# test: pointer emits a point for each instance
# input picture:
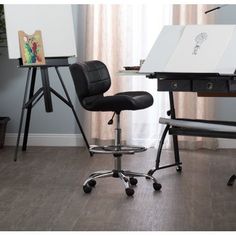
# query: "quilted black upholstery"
(92, 80)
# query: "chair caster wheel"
(92, 183)
(133, 181)
(87, 189)
(231, 180)
(157, 186)
(129, 192)
(150, 172)
(179, 168)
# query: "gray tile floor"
(43, 191)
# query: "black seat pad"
(133, 100)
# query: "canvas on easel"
(31, 48)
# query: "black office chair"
(92, 80)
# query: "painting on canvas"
(31, 48)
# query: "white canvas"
(200, 48)
(54, 21)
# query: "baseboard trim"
(73, 140)
(226, 143)
(76, 140)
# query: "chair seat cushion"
(132, 100)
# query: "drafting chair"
(92, 80)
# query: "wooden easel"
(45, 91)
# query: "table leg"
(175, 137)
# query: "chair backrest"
(91, 79)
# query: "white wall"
(61, 121)
(226, 107)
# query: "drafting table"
(211, 84)
(193, 58)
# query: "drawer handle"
(210, 86)
(174, 85)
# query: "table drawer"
(212, 85)
(174, 85)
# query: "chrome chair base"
(127, 178)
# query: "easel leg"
(22, 114)
(46, 89)
(29, 108)
(73, 110)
